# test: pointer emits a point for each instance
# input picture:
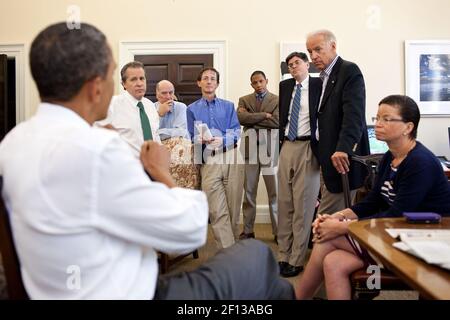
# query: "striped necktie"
(145, 123)
(293, 122)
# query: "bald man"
(172, 114)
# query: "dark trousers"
(245, 271)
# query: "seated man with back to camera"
(86, 219)
(410, 179)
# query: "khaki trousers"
(222, 181)
(252, 172)
(299, 183)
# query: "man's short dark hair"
(257, 72)
(199, 77)
(133, 65)
(63, 59)
(300, 55)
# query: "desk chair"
(358, 279)
(11, 264)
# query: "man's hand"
(242, 109)
(340, 162)
(268, 115)
(109, 126)
(165, 107)
(216, 143)
(156, 160)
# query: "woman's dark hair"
(408, 110)
(63, 59)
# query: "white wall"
(253, 30)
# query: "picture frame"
(427, 75)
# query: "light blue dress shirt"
(174, 122)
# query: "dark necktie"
(145, 123)
(259, 99)
(293, 122)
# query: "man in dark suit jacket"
(258, 113)
(341, 120)
(298, 171)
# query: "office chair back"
(15, 287)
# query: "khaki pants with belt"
(299, 183)
(222, 181)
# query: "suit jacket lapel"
(331, 82)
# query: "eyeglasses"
(385, 120)
(292, 65)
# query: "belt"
(223, 150)
(302, 138)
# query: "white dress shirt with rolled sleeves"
(86, 219)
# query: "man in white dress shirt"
(86, 219)
(124, 113)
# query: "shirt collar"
(63, 113)
(328, 69)
(130, 98)
(206, 102)
(262, 95)
(304, 83)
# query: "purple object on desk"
(422, 217)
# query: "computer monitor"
(376, 146)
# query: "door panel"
(3, 95)
(181, 70)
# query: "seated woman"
(410, 179)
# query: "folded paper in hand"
(204, 131)
(431, 245)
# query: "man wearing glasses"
(341, 129)
(298, 172)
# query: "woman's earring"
(404, 133)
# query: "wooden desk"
(431, 281)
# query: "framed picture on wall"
(427, 75)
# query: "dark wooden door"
(7, 95)
(182, 70)
(3, 95)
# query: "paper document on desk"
(431, 245)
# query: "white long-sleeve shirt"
(85, 217)
(123, 114)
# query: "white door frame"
(18, 52)
(128, 49)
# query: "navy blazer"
(342, 124)
(285, 96)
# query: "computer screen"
(376, 146)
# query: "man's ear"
(198, 84)
(95, 89)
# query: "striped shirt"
(387, 189)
